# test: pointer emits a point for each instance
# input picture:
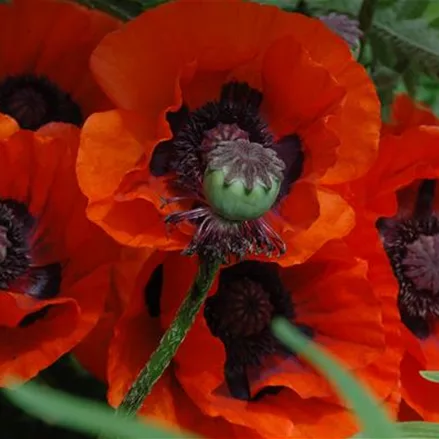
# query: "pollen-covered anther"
(242, 179)
(422, 263)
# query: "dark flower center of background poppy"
(250, 294)
(34, 101)
(412, 245)
(17, 271)
(15, 227)
(234, 119)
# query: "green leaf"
(349, 7)
(432, 11)
(419, 430)
(430, 375)
(374, 420)
(410, 39)
(407, 9)
(79, 414)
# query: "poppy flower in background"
(230, 377)
(226, 143)
(399, 195)
(45, 49)
(55, 264)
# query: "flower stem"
(171, 340)
(365, 19)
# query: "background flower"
(398, 194)
(45, 46)
(55, 264)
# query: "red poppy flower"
(230, 377)
(45, 47)
(54, 263)
(232, 137)
(399, 194)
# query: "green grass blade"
(79, 414)
(430, 375)
(419, 430)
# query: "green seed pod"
(234, 201)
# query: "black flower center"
(249, 295)
(230, 136)
(34, 101)
(412, 245)
(245, 308)
(17, 270)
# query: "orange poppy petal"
(8, 126)
(27, 346)
(108, 151)
(335, 221)
(314, 418)
(398, 165)
(298, 89)
(301, 206)
(325, 48)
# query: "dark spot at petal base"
(34, 101)
(418, 326)
(289, 150)
(267, 391)
(162, 155)
(237, 381)
(34, 317)
(153, 291)
(44, 282)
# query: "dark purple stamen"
(15, 233)
(17, 270)
(412, 245)
(34, 101)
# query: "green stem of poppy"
(365, 19)
(171, 340)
